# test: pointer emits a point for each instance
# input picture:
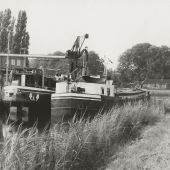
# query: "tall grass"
(82, 145)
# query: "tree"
(58, 53)
(161, 63)
(18, 41)
(95, 65)
(115, 76)
(144, 61)
(6, 28)
(134, 62)
(21, 37)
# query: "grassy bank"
(85, 145)
(151, 152)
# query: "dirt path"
(152, 151)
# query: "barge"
(86, 99)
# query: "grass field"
(81, 144)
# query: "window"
(13, 62)
(18, 62)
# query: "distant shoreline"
(160, 92)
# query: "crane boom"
(74, 54)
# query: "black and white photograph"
(84, 85)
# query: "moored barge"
(86, 99)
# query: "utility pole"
(43, 75)
(7, 60)
(105, 66)
(43, 72)
(22, 51)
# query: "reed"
(82, 144)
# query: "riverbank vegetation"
(82, 145)
(150, 152)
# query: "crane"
(75, 53)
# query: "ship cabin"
(31, 77)
(88, 85)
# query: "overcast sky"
(113, 25)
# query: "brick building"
(14, 62)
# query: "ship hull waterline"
(65, 106)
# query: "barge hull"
(66, 106)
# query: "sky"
(113, 25)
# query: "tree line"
(144, 61)
(14, 31)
